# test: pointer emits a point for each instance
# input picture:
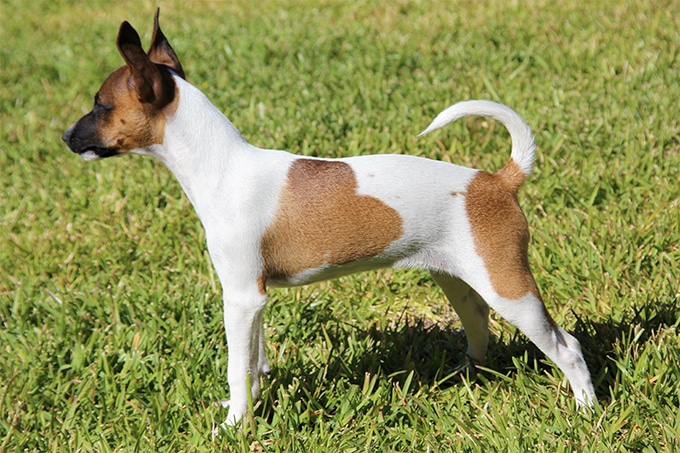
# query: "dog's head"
(131, 106)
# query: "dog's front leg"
(244, 302)
(243, 325)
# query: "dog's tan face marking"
(131, 106)
(321, 220)
(123, 122)
(501, 234)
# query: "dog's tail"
(523, 148)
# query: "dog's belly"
(329, 272)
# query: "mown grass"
(110, 319)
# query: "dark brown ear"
(152, 85)
(161, 51)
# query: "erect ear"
(161, 51)
(152, 85)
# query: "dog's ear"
(161, 51)
(152, 85)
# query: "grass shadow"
(604, 343)
(429, 354)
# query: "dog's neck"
(200, 147)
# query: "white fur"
(89, 156)
(235, 189)
(523, 148)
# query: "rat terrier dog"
(275, 219)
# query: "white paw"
(234, 417)
(215, 432)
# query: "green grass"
(110, 313)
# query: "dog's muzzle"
(86, 149)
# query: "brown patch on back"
(322, 220)
(501, 233)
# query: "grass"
(110, 318)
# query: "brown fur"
(321, 220)
(500, 231)
(512, 176)
(130, 124)
(262, 284)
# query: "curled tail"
(523, 149)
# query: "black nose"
(67, 135)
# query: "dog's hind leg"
(472, 311)
(529, 315)
(262, 363)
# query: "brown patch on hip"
(512, 176)
(501, 234)
(321, 220)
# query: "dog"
(275, 219)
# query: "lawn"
(111, 334)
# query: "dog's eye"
(99, 105)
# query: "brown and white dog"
(276, 219)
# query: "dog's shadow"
(605, 343)
(431, 354)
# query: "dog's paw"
(263, 366)
(215, 427)
(233, 420)
(468, 367)
(215, 431)
(234, 417)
